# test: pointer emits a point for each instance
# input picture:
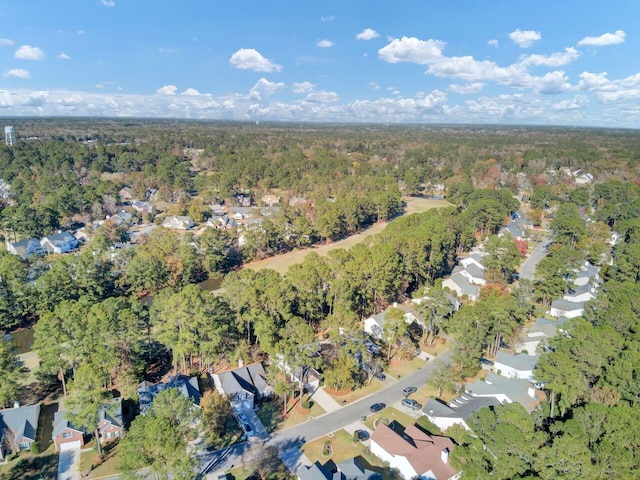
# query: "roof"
(520, 361)
(60, 424)
(188, 388)
(461, 407)
(314, 472)
(352, 470)
(422, 451)
(516, 390)
(60, 238)
(567, 306)
(250, 378)
(466, 287)
(379, 318)
(545, 327)
(475, 271)
(112, 413)
(22, 421)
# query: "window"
(25, 446)
(67, 434)
(116, 433)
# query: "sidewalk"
(325, 400)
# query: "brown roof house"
(65, 435)
(414, 453)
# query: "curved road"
(528, 267)
(290, 439)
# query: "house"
(507, 390)
(222, 222)
(414, 452)
(519, 365)
(577, 294)
(297, 201)
(65, 435)
(513, 230)
(583, 178)
(125, 193)
(142, 207)
(587, 273)
(374, 325)
(306, 377)
(455, 303)
(26, 248)
(461, 286)
(178, 222)
(472, 272)
(217, 209)
(563, 308)
(458, 411)
(240, 213)
(110, 423)
(268, 211)
(270, 200)
(539, 333)
(245, 386)
(473, 259)
(120, 219)
(18, 428)
(350, 469)
(62, 242)
(244, 200)
(187, 386)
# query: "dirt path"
(281, 263)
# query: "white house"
(178, 222)
(415, 453)
(540, 332)
(26, 248)
(563, 308)
(577, 294)
(473, 273)
(473, 259)
(245, 386)
(461, 286)
(374, 325)
(507, 390)
(519, 365)
(62, 242)
(457, 412)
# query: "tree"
(343, 373)
(87, 396)
(394, 327)
(442, 378)
(502, 258)
(568, 225)
(12, 373)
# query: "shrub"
(307, 404)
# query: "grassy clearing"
(390, 414)
(281, 263)
(270, 414)
(402, 368)
(30, 467)
(362, 392)
(90, 462)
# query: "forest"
(103, 316)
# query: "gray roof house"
(188, 388)
(540, 332)
(348, 470)
(62, 242)
(178, 222)
(587, 273)
(507, 390)
(22, 422)
(26, 248)
(564, 308)
(458, 411)
(472, 272)
(244, 385)
(461, 286)
(581, 293)
(519, 365)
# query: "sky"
(569, 62)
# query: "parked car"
(487, 362)
(409, 390)
(243, 418)
(376, 407)
(411, 403)
(248, 430)
(380, 376)
(361, 435)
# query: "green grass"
(402, 368)
(390, 414)
(89, 462)
(31, 467)
(270, 414)
(357, 394)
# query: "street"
(528, 267)
(291, 438)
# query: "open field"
(281, 263)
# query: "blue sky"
(506, 61)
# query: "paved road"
(528, 267)
(288, 440)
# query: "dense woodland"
(93, 333)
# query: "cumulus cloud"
(466, 89)
(6, 42)
(167, 90)
(367, 34)
(18, 73)
(251, 59)
(107, 3)
(524, 38)
(575, 103)
(303, 87)
(557, 59)
(322, 97)
(411, 49)
(324, 43)
(552, 82)
(192, 92)
(493, 43)
(374, 85)
(263, 89)
(63, 56)
(27, 52)
(328, 18)
(604, 39)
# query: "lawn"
(270, 414)
(357, 394)
(402, 368)
(89, 462)
(436, 348)
(30, 467)
(390, 414)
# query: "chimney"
(532, 392)
(16, 404)
(444, 455)
(240, 363)
(395, 304)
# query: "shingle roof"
(567, 306)
(466, 287)
(22, 421)
(112, 412)
(516, 390)
(461, 407)
(60, 423)
(352, 470)
(188, 388)
(520, 361)
(250, 378)
(314, 472)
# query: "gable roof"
(516, 390)
(60, 424)
(22, 421)
(250, 378)
(567, 306)
(188, 388)
(461, 407)
(314, 472)
(520, 361)
(466, 287)
(58, 239)
(422, 451)
(351, 469)
(112, 413)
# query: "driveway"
(325, 400)
(69, 465)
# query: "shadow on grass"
(33, 468)
(270, 414)
(45, 425)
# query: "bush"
(307, 404)
(35, 448)
(424, 423)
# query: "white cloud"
(493, 43)
(6, 42)
(604, 39)
(18, 73)
(81, 32)
(303, 87)
(524, 38)
(367, 34)
(327, 18)
(557, 59)
(374, 85)
(575, 103)
(27, 52)
(552, 82)
(63, 56)
(167, 90)
(192, 92)
(251, 59)
(107, 3)
(467, 89)
(471, 70)
(263, 89)
(324, 43)
(411, 49)
(322, 97)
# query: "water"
(22, 339)
(209, 285)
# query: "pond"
(209, 285)
(23, 339)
